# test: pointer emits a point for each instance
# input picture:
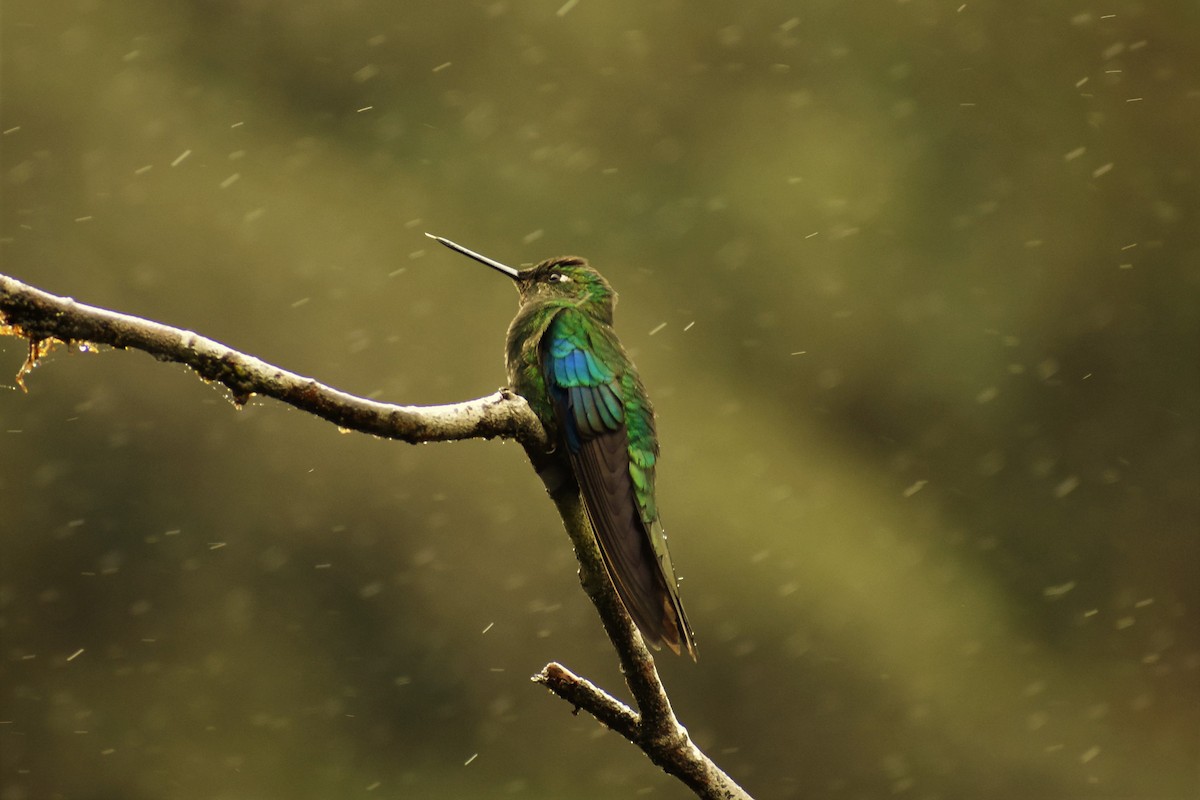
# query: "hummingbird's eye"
(558, 277)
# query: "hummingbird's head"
(567, 280)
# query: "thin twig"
(676, 755)
(43, 318)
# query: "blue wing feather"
(581, 384)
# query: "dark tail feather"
(644, 580)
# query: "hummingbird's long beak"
(496, 265)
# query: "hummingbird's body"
(565, 359)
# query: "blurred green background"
(914, 286)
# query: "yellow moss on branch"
(37, 349)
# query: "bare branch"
(583, 694)
(675, 753)
(44, 318)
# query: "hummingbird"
(563, 356)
